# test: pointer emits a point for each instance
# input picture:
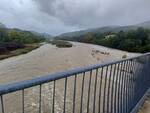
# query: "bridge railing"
(115, 87)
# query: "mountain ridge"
(104, 29)
(46, 35)
(2, 25)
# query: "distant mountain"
(98, 30)
(144, 24)
(106, 29)
(45, 35)
(2, 25)
(82, 32)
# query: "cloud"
(24, 14)
(58, 16)
(94, 13)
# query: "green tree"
(88, 37)
(142, 35)
(14, 35)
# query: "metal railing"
(115, 87)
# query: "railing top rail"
(12, 87)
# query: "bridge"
(115, 87)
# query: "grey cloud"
(58, 16)
(71, 12)
(25, 15)
(94, 13)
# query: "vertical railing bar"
(104, 96)
(141, 81)
(127, 87)
(119, 86)
(23, 101)
(122, 86)
(2, 104)
(95, 87)
(74, 94)
(136, 83)
(146, 73)
(116, 82)
(40, 96)
(112, 91)
(129, 81)
(134, 79)
(53, 109)
(143, 86)
(100, 88)
(108, 92)
(82, 93)
(89, 90)
(65, 91)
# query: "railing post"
(81, 103)
(108, 92)
(2, 104)
(89, 89)
(95, 89)
(74, 94)
(100, 91)
(104, 96)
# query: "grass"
(26, 49)
(61, 43)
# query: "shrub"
(61, 44)
(124, 56)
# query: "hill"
(144, 24)
(133, 38)
(2, 25)
(106, 29)
(16, 41)
(94, 30)
(45, 35)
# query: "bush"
(3, 50)
(124, 56)
(9, 46)
(61, 44)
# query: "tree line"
(133, 40)
(12, 39)
(14, 35)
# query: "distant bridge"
(116, 87)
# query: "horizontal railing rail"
(114, 87)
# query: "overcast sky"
(58, 16)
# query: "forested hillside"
(136, 40)
(13, 39)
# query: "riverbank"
(26, 49)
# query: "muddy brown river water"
(49, 59)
